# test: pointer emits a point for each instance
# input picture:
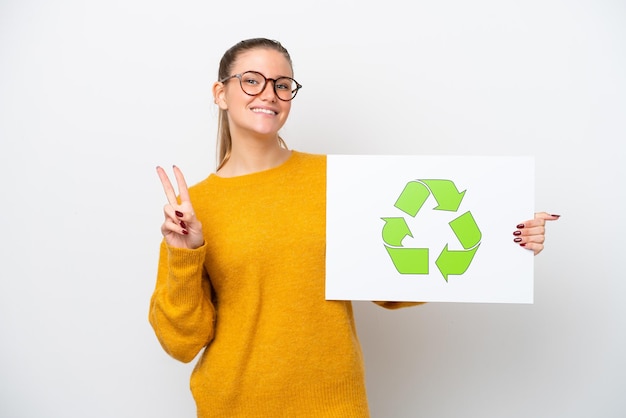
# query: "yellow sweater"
(253, 295)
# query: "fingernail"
(523, 244)
(183, 225)
(517, 240)
(556, 216)
(517, 233)
(520, 226)
(185, 232)
(179, 214)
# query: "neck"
(253, 156)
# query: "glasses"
(253, 83)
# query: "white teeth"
(267, 111)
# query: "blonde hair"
(224, 140)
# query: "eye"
(251, 79)
(284, 84)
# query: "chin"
(269, 132)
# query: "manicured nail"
(523, 244)
(517, 233)
(183, 224)
(179, 214)
(517, 240)
(185, 232)
(556, 216)
(520, 226)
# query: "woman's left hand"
(532, 234)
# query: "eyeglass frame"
(273, 80)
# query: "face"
(264, 114)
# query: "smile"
(266, 111)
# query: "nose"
(268, 91)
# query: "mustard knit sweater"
(253, 295)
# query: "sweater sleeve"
(397, 305)
(181, 310)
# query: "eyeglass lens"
(253, 83)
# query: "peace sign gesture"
(181, 228)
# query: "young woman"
(241, 271)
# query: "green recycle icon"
(416, 260)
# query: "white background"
(93, 95)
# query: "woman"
(241, 272)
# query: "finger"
(535, 247)
(528, 232)
(532, 242)
(547, 216)
(182, 185)
(170, 193)
(540, 238)
(539, 220)
(172, 213)
(175, 227)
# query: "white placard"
(428, 228)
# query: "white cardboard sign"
(428, 228)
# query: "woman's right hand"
(181, 228)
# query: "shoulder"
(309, 159)
(308, 154)
(307, 171)
(202, 187)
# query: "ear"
(219, 94)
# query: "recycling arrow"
(446, 194)
(466, 230)
(409, 260)
(395, 230)
(454, 262)
(416, 192)
(412, 197)
(416, 260)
